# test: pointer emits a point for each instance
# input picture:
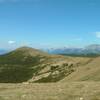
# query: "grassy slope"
(76, 62)
(53, 91)
(88, 72)
(18, 66)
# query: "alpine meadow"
(49, 50)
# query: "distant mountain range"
(93, 49)
(3, 51)
(88, 50)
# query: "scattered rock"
(81, 98)
(25, 83)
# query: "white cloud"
(11, 42)
(97, 34)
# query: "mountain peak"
(30, 51)
(24, 48)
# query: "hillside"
(32, 65)
(18, 65)
(88, 72)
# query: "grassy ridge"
(82, 55)
(16, 67)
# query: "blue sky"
(49, 23)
